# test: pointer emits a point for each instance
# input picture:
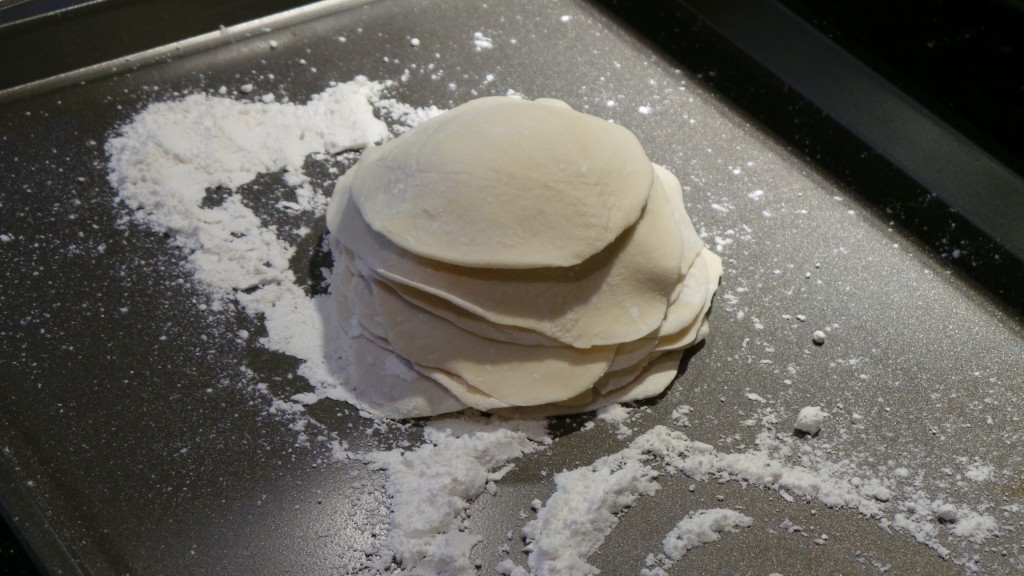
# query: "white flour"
(432, 486)
(595, 496)
(584, 509)
(166, 159)
(164, 162)
(696, 529)
(810, 419)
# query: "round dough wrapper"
(629, 353)
(339, 202)
(691, 300)
(553, 102)
(686, 320)
(361, 306)
(615, 379)
(505, 183)
(467, 394)
(426, 398)
(387, 385)
(619, 295)
(353, 292)
(518, 375)
(459, 316)
(652, 381)
(461, 389)
(620, 376)
(692, 244)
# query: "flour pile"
(179, 166)
(696, 529)
(165, 162)
(428, 532)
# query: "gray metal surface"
(56, 37)
(128, 433)
(967, 178)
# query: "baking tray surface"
(138, 424)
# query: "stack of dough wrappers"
(514, 256)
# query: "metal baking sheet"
(129, 443)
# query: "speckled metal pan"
(130, 442)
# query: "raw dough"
(510, 372)
(620, 294)
(387, 384)
(505, 183)
(516, 257)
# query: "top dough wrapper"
(505, 183)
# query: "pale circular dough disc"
(615, 379)
(467, 394)
(353, 292)
(505, 183)
(691, 300)
(386, 384)
(460, 317)
(518, 375)
(421, 383)
(619, 295)
(692, 244)
(629, 353)
(354, 299)
(652, 380)
(686, 320)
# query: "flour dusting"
(165, 161)
(430, 530)
(180, 165)
(182, 168)
(696, 529)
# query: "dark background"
(13, 559)
(964, 59)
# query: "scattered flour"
(481, 42)
(585, 508)
(980, 472)
(588, 501)
(163, 162)
(617, 415)
(169, 158)
(696, 529)
(432, 485)
(810, 419)
(508, 568)
(680, 415)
